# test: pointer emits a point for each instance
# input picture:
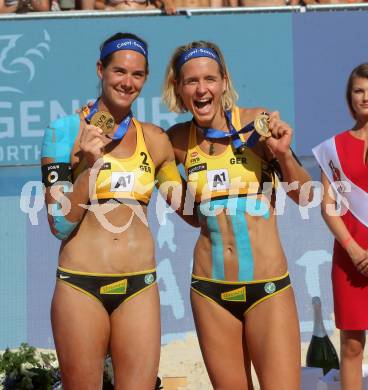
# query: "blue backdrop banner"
(48, 68)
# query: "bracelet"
(346, 242)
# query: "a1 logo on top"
(122, 181)
(218, 180)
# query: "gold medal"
(261, 125)
(104, 120)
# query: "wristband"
(54, 172)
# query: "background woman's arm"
(358, 255)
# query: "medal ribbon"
(211, 133)
(122, 128)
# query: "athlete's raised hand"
(282, 134)
(92, 143)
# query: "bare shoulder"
(179, 134)
(247, 115)
(157, 143)
(154, 135)
(151, 130)
(179, 137)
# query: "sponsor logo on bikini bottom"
(237, 295)
(119, 287)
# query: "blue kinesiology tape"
(62, 226)
(59, 138)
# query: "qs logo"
(13, 60)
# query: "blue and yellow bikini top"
(127, 178)
(228, 174)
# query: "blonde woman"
(241, 295)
